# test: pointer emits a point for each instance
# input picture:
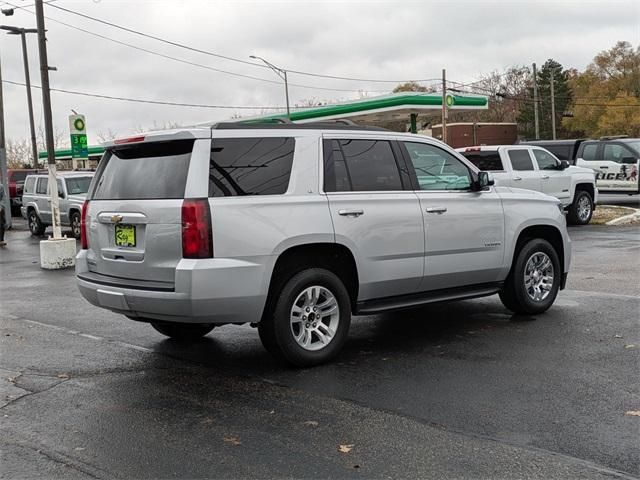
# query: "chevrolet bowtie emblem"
(116, 218)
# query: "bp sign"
(78, 131)
(449, 101)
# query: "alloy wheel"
(314, 318)
(538, 276)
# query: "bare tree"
(19, 153)
(103, 136)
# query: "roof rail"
(613, 137)
(329, 125)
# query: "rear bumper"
(205, 291)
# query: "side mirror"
(563, 165)
(60, 194)
(484, 180)
(629, 160)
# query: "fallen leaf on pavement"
(232, 439)
(63, 375)
(617, 336)
(346, 448)
(633, 413)
(311, 423)
(630, 346)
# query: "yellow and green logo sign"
(77, 129)
(449, 101)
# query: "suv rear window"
(485, 160)
(250, 166)
(155, 170)
(360, 166)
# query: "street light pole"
(27, 78)
(282, 73)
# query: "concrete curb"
(634, 216)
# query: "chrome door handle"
(437, 210)
(545, 177)
(517, 179)
(350, 213)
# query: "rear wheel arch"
(334, 257)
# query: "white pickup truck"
(534, 168)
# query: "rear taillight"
(197, 238)
(84, 238)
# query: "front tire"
(183, 331)
(36, 227)
(310, 319)
(534, 280)
(581, 210)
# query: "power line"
(238, 107)
(18, 7)
(225, 57)
(207, 67)
(154, 102)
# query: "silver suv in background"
(36, 200)
(295, 228)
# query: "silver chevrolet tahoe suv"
(295, 228)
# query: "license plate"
(125, 235)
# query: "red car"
(16, 184)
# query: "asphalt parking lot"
(460, 390)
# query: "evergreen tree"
(562, 93)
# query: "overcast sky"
(359, 39)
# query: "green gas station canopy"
(398, 106)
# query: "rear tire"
(310, 318)
(36, 227)
(75, 224)
(534, 280)
(183, 331)
(581, 210)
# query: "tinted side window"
(250, 166)
(520, 160)
(336, 178)
(41, 188)
(29, 185)
(589, 151)
(615, 152)
(485, 160)
(545, 160)
(361, 166)
(437, 169)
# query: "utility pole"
(553, 107)
(3, 161)
(27, 81)
(535, 102)
(444, 105)
(27, 78)
(48, 121)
